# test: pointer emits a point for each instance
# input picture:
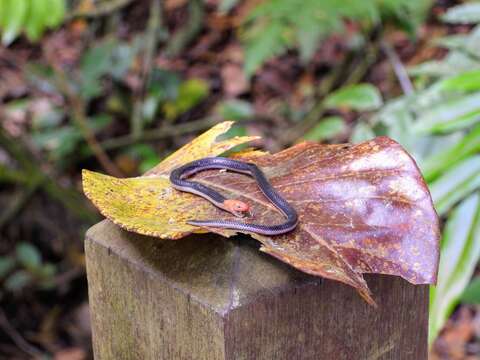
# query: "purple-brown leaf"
(362, 209)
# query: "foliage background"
(117, 85)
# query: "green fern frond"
(278, 25)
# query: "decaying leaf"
(362, 208)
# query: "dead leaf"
(70, 354)
(174, 4)
(458, 332)
(234, 80)
(362, 208)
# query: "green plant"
(25, 267)
(277, 25)
(69, 133)
(439, 124)
(32, 17)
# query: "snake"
(235, 207)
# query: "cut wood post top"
(208, 297)
(219, 273)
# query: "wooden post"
(206, 297)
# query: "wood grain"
(206, 297)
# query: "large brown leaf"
(362, 209)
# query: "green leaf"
(455, 184)
(99, 122)
(121, 59)
(471, 295)
(361, 132)
(434, 165)
(235, 110)
(46, 276)
(52, 117)
(56, 11)
(361, 97)
(275, 26)
(460, 252)
(3, 13)
(326, 129)
(28, 256)
(7, 263)
(455, 114)
(190, 94)
(13, 19)
(463, 14)
(95, 63)
(60, 141)
(454, 63)
(262, 44)
(464, 82)
(164, 84)
(34, 22)
(146, 154)
(17, 280)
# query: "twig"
(316, 112)
(361, 67)
(18, 202)
(67, 276)
(328, 84)
(398, 68)
(78, 116)
(101, 10)
(161, 133)
(17, 338)
(183, 36)
(12, 176)
(70, 198)
(154, 23)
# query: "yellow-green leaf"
(148, 205)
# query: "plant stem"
(17, 338)
(360, 68)
(70, 198)
(398, 68)
(18, 201)
(316, 112)
(183, 36)
(160, 133)
(12, 176)
(151, 42)
(80, 119)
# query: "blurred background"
(117, 85)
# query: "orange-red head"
(236, 207)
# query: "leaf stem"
(80, 119)
(160, 133)
(151, 42)
(70, 198)
(398, 68)
(183, 37)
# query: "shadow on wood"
(207, 297)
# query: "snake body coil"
(177, 178)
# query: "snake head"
(236, 207)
